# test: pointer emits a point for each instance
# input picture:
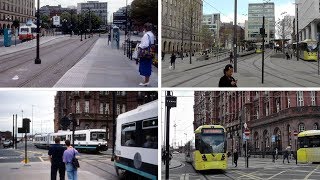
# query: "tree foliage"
(143, 11)
(207, 38)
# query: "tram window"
(314, 141)
(150, 138)
(24, 30)
(95, 136)
(128, 135)
(62, 138)
(80, 137)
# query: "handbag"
(149, 52)
(75, 161)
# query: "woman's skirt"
(145, 67)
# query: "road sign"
(245, 125)
(247, 132)
(273, 139)
(244, 137)
(171, 101)
(56, 20)
(295, 133)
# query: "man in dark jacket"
(55, 155)
(227, 80)
(235, 157)
(286, 155)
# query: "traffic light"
(65, 123)
(26, 125)
(263, 31)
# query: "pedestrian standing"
(235, 157)
(227, 80)
(55, 156)
(109, 38)
(231, 57)
(173, 60)
(286, 155)
(162, 55)
(68, 156)
(145, 54)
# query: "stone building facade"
(94, 109)
(272, 117)
(11, 10)
(176, 25)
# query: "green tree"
(46, 21)
(16, 23)
(206, 37)
(143, 11)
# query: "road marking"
(311, 173)
(248, 175)
(41, 159)
(16, 77)
(276, 174)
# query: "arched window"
(87, 126)
(301, 127)
(315, 126)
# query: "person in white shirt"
(145, 65)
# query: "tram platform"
(36, 171)
(105, 67)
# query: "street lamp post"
(38, 60)
(235, 36)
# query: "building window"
(123, 108)
(301, 127)
(313, 98)
(101, 108)
(315, 126)
(87, 92)
(77, 107)
(86, 107)
(267, 109)
(107, 108)
(118, 109)
(300, 98)
(288, 102)
(123, 93)
(278, 105)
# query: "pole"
(114, 123)
(167, 139)
(16, 131)
(297, 32)
(232, 149)
(247, 155)
(296, 150)
(25, 148)
(263, 34)
(235, 37)
(182, 33)
(13, 131)
(38, 60)
(32, 122)
(73, 129)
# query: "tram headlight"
(99, 144)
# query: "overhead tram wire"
(218, 10)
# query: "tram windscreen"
(212, 141)
(312, 47)
(96, 136)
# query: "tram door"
(115, 38)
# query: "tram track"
(46, 69)
(279, 72)
(221, 66)
(98, 167)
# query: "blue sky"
(226, 7)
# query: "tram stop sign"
(295, 133)
(247, 132)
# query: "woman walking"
(145, 54)
(68, 156)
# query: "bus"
(308, 50)
(309, 146)
(208, 149)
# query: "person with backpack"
(146, 53)
(69, 157)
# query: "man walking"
(55, 155)
(286, 155)
(235, 157)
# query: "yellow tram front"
(258, 47)
(309, 146)
(210, 148)
(308, 50)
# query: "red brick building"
(272, 117)
(94, 109)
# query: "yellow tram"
(309, 146)
(207, 150)
(258, 47)
(308, 50)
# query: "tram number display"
(212, 131)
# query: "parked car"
(7, 144)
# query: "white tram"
(27, 32)
(89, 140)
(136, 148)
